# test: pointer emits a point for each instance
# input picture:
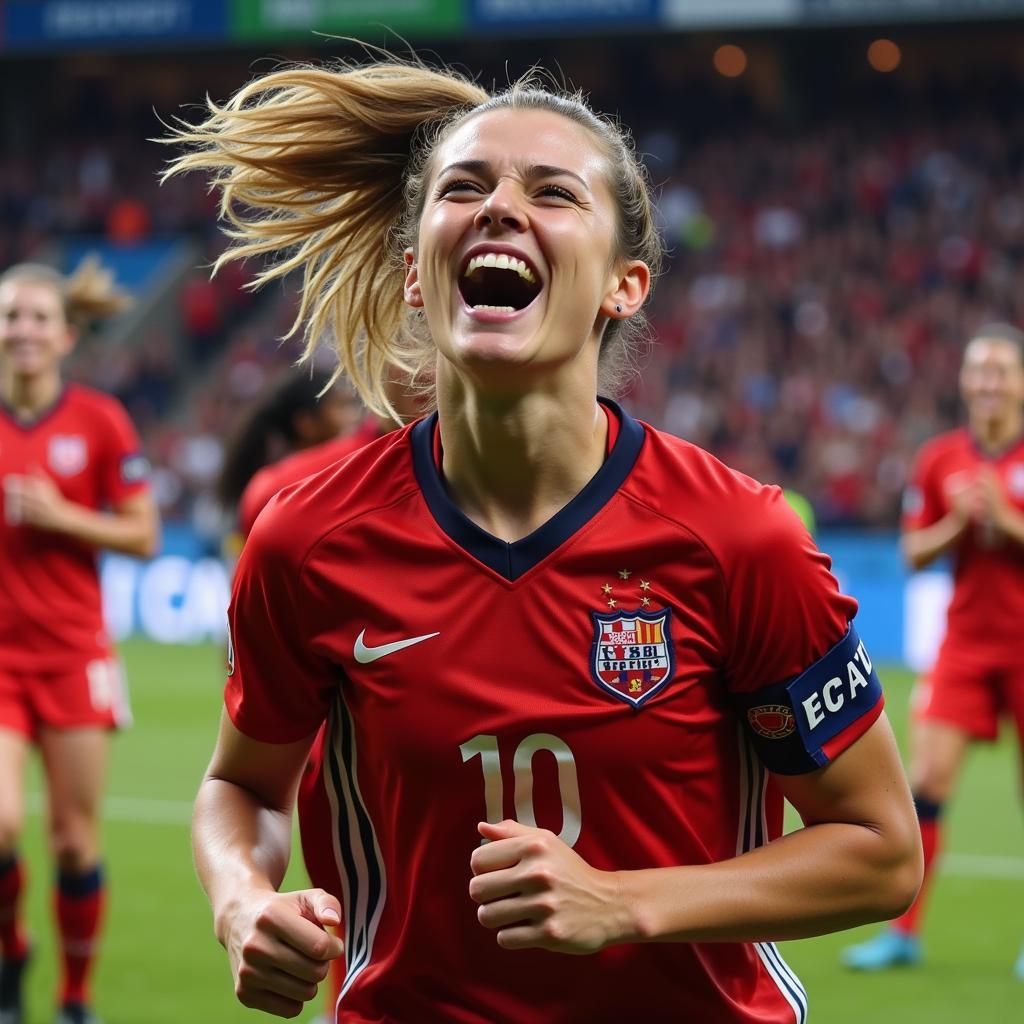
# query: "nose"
(503, 207)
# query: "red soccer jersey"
(267, 481)
(987, 607)
(51, 613)
(619, 676)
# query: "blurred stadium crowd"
(824, 273)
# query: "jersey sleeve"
(278, 688)
(123, 468)
(923, 502)
(800, 677)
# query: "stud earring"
(618, 309)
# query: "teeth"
(501, 261)
(497, 309)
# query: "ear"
(411, 293)
(70, 339)
(628, 290)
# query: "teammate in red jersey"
(299, 422)
(555, 649)
(966, 498)
(74, 482)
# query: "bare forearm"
(820, 879)
(239, 844)
(922, 547)
(136, 535)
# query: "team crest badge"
(68, 454)
(632, 656)
(1016, 480)
(772, 721)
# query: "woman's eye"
(458, 186)
(558, 192)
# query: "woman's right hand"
(278, 946)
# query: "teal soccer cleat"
(890, 948)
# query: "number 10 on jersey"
(486, 748)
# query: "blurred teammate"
(299, 426)
(554, 648)
(74, 482)
(966, 497)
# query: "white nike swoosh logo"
(364, 655)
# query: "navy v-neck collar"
(511, 560)
(997, 454)
(26, 426)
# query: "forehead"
(992, 351)
(516, 139)
(27, 291)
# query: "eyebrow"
(532, 171)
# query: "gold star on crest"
(624, 574)
(606, 587)
(645, 601)
(644, 585)
(612, 602)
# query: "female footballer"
(74, 483)
(569, 666)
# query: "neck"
(510, 464)
(994, 435)
(27, 397)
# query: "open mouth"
(499, 283)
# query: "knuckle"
(265, 917)
(543, 876)
(246, 972)
(249, 948)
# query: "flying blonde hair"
(323, 170)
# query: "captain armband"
(793, 724)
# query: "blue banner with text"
(58, 24)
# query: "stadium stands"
(824, 272)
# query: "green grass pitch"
(161, 964)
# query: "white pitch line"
(147, 811)
(982, 865)
(138, 810)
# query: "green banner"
(267, 19)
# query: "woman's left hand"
(537, 893)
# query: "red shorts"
(90, 694)
(970, 693)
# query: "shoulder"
(951, 444)
(97, 407)
(81, 396)
(301, 514)
(732, 514)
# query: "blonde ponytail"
(323, 170)
(312, 165)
